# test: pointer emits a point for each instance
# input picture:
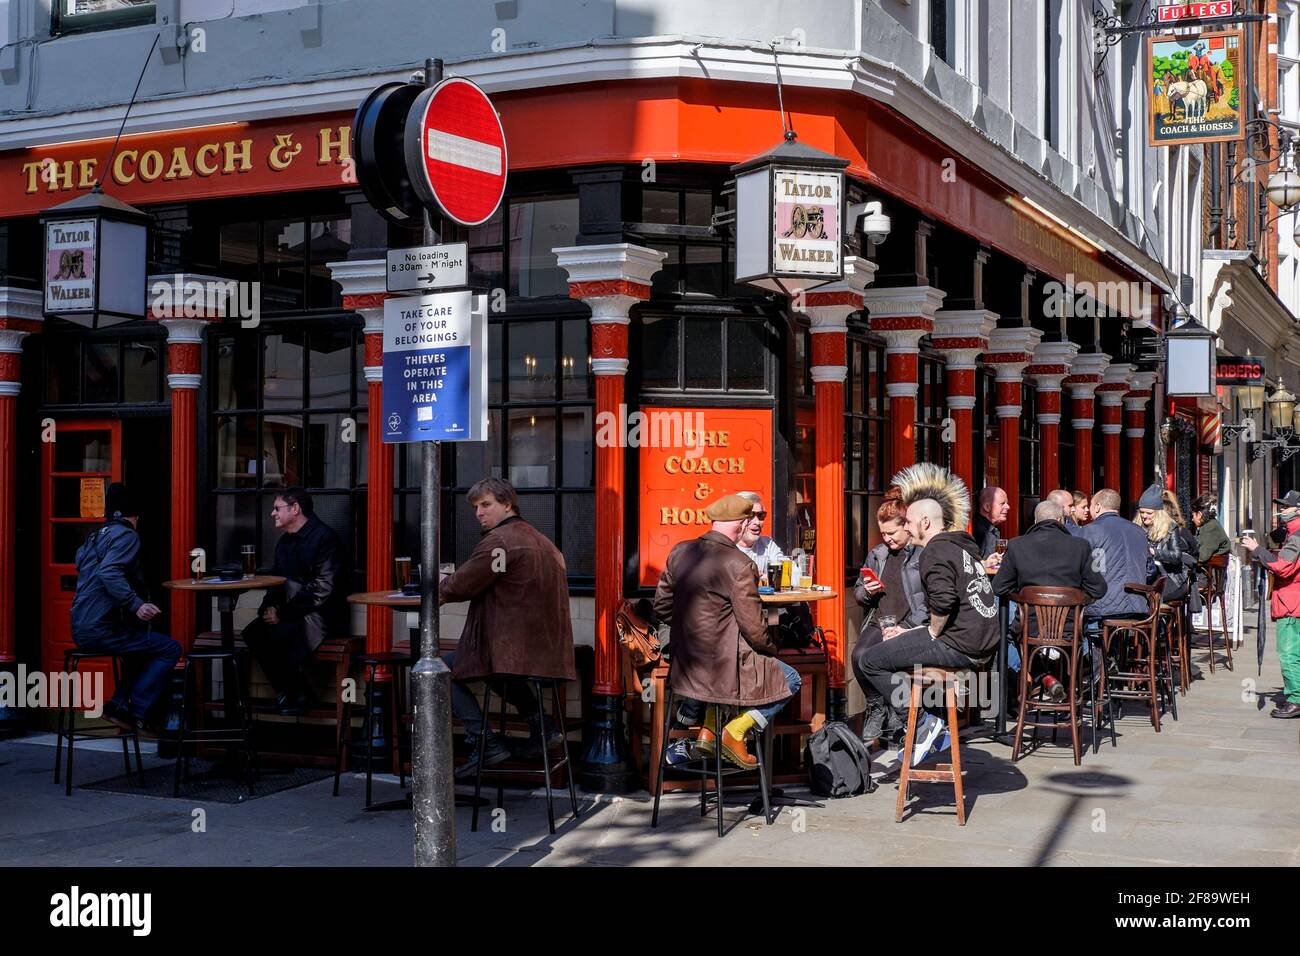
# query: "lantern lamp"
(1189, 360)
(96, 252)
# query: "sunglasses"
(760, 515)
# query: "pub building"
(977, 329)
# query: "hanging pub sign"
(1190, 360)
(1193, 88)
(1206, 10)
(95, 260)
(1239, 370)
(789, 218)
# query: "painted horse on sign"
(1194, 95)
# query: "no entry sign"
(456, 151)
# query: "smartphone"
(870, 578)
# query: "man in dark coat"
(310, 606)
(1047, 555)
(1122, 555)
(111, 611)
(720, 648)
(987, 529)
(517, 586)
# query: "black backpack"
(838, 763)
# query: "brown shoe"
(1286, 712)
(736, 752)
(705, 745)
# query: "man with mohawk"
(963, 629)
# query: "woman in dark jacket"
(1172, 548)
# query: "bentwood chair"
(1133, 648)
(1046, 613)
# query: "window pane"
(532, 360)
(284, 264)
(282, 464)
(236, 525)
(857, 378)
(331, 368)
(63, 370)
(480, 459)
(363, 447)
(703, 349)
(536, 227)
(539, 511)
(575, 362)
(282, 379)
(704, 270)
(485, 271)
(330, 241)
(745, 354)
(659, 351)
(531, 451)
(237, 251)
(668, 279)
(237, 370)
(699, 208)
(579, 448)
(84, 451)
(660, 205)
(141, 377)
(101, 372)
(329, 457)
(488, 233)
(495, 331)
(578, 533)
(236, 451)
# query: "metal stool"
(944, 772)
(704, 771)
(1173, 613)
(230, 734)
(67, 727)
(535, 683)
(1216, 575)
(346, 742)
(1136, 658)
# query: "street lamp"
(1281, 410)
(1189, 360)
(1283, 188)
(96, 248)
(1285, 422)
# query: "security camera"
(875, 224)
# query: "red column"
(13, 329)
(961, 335)
(1110, 398)
(1050, 366)
(1135, 405)
(1084, 378)
(184, 374)
(1010, 352)
(829, 308)
(611, 279)
(902, 316)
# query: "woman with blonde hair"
(1174, 558)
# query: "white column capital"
(1015, 338)
(1009, 411)
(184, 331)
(902, 389)
(360, 277)
(1081, 423)
(960, 403)
(1050, 364)
(1142, 381)
(18, 303)
(829, 373)
(1108, 428)
(905, 302)
(1048, 418)
(902, 341)
(609, 262)
(964, 323)
(11, 340)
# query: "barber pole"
(1211, 431)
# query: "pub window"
(1031, 474)
(698, 266)
(986, 433)
(104, 368)
(705, 353)
(288, 258)
(538, 225)
(1065, 463)
(71, 16)
(931, 411)
(541, 428)
(288, 407)
(866, 441)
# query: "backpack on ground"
(838, 762)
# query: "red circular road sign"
(456, 151)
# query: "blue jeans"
(465, 705)
(690, 711)
(148, 657)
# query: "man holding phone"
(1285, 602)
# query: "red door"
(76, 469)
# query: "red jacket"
(1285, 565)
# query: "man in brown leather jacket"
(720, 648)
(517, 586)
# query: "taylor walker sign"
(806, 225)
(69, 264)
(1192, 88)
(435, 368)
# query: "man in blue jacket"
(1121, 553)
(111, 611)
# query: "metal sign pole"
(434, 802)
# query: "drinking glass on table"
(401, 572)
(248, 553)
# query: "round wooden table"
(385, 599)
(227, 593)
(796, 596)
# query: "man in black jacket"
(994, 508)
(1047, 555)
(962, 632)
(310, 606)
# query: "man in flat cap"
(720, 652)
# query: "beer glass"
(401, 572)
(248, 553)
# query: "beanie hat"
(1151, 498)
(118, 501)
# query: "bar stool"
(1135, 642)
(761, 739)
(345, 742)
(67, 726)
(1216, 575)
(241, 733)
(944, 772)
(1173, 614)
(1049, 610)
(535, 684)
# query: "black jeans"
(884, 668)
(879, 720)
(148, 657)
(282, 652)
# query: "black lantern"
(96, 255)
(790, 218)
(1189, 360)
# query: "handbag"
(637, 635)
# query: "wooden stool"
(1133, 645)
(1216, 575)
(1176, 642)
(944, 772)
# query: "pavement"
(1216, 787)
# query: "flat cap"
(729, 508)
